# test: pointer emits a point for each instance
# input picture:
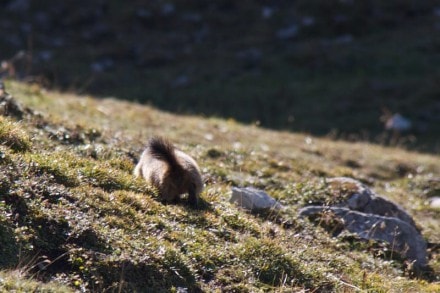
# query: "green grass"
(76, 204)
(73, 217)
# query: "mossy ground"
(71, 212)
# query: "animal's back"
(170, 170)
(192, 169)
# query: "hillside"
(73, 218)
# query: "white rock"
(435, 202)
(253, 199)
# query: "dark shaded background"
(328, 67)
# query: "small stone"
(343, 39)
(181, 81)
(102, 65)
(435, 202)
(288, 32)
(45, 55)
(168, 9)
(398, 123)
(209, 136)
(308, 21)
(267, 12)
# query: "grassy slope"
(71, 213)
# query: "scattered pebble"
(102, 65)
(181, 81)
(168, 9)
(18, 5)
(308, 21)
(267, 12)
(288, 32)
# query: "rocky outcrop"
(361, 198)
(370, 216)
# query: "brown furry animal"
(170, 170)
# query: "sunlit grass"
(80, 201)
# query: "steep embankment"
(72, 213)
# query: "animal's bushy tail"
(163, 150)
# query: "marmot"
(170, 170)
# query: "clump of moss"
(59, 165)
(271, 264)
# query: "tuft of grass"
(13, 136)
(270, 264)
(59, 165)
(15, 281)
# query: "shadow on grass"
(130, 276)
(9, 249)
(234, 60)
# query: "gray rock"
(253, 199)
(361, 198)
(398, 123)
(403, 237)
